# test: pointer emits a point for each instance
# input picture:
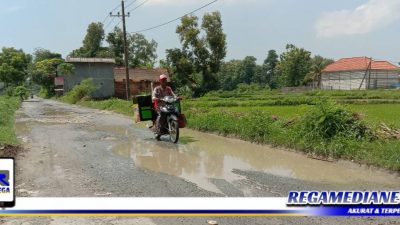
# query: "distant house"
(99, 69)
(359, 73)
(141, 80)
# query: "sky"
(333, 29)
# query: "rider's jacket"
(160, 92)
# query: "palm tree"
(318, 65)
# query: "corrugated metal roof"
(90, 60)
(140, 74)
(359, 63)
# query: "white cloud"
(363, 19)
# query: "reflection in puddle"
(204, 156)
(175, 160)
(186, 140)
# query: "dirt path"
(75, 151)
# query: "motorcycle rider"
(158, 93)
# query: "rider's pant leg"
(163, 122)
(158, 124)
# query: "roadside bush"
(85, 88)
(21, 92)
(241, 88)
(314, 122)
(185, 91)
(44, 93)
(328, 120)
(113, 104)
(10, 91)
(251, 126)
(8, 106)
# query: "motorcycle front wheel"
(173, 131)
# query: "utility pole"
(127, 80)
(365, 75)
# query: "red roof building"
(141, 80)
(360, 73)
(359, 63)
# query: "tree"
(182, 66)
(269, 68)
(93, 39)
(115, 41)
(44, 72)
(13, 66)
(45, 67)
(65, 69)
(295, 64)
(142, 52)
(41, 54)
(229, 75)
(318, 64)
(248, 70)
(92, 42)
(235, 72)
(200, 55)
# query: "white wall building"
(360, 73)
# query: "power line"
(109, 23)
(131, 3)
(113, 17)
(105, 19)
(163, 24)
(108, 16)
(138, 6)
(119, 22)
(116, 7)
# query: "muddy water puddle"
(199, 157)
(51, 116)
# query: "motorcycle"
(172, 117)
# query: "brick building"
(141, 80)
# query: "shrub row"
(327, 129)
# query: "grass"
(376, 106)
(281, 119)
(8, 106)
(261, 126)
(374, 114)
(277, 118)
(378, 113)
(114, 104)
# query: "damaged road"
(71, 151)
(68, 153)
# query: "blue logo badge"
(4, 178)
